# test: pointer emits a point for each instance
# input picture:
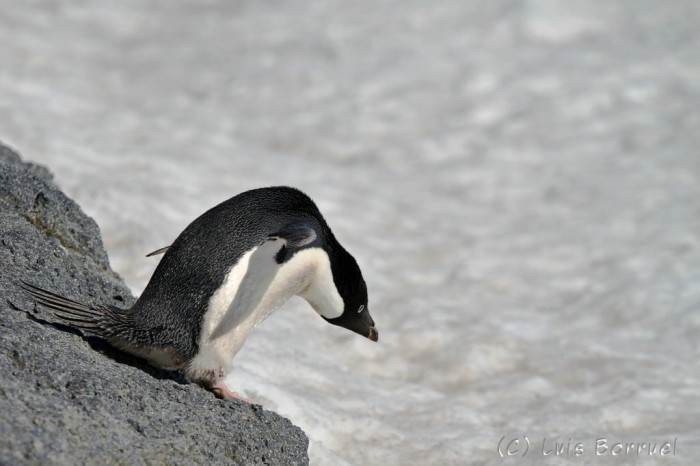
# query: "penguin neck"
(321, 292)
(254, 288)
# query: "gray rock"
(68, 400)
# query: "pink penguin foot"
(221, 390)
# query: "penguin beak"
(361, 324)
(373, 334)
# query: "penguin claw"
(221, 390)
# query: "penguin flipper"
(296, 234)
(158, 251)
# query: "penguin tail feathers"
(90, 321)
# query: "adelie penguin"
(226, 272)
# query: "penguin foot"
(221, 390)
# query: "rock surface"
(67, 400)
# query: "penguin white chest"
(254, 288)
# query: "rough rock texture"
(65, 400)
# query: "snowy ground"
(519, 180)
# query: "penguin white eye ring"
(223, 275)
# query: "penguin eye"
(362, 308)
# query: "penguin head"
(338, 292)
(351, 287)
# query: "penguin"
(224, 274)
